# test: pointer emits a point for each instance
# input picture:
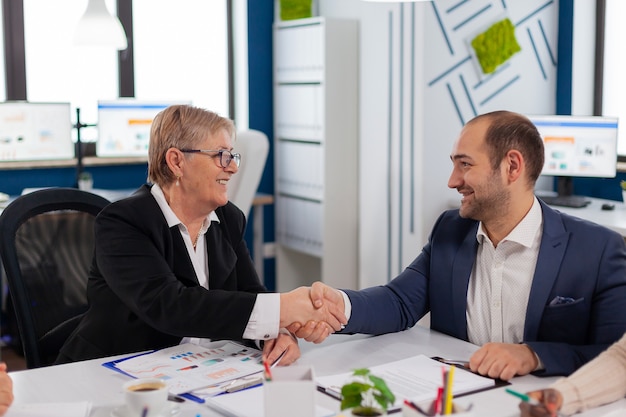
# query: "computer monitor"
(31, 131)
(577, 146)
(124, 126)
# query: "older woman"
(171, 263)
(601, 381)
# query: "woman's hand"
(6, 389)
(284, 343)
(550, 402)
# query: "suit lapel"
(461, 271)
(182, 265)
(222, 257)
(553, 245)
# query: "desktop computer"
(34, 131)
(576, 146)
(124, 126)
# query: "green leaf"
(361, 372)
(351, 394)
(384, 397)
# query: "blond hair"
(181, 127)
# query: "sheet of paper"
(189, 367)
(80, 409)
(251, 403)
(416, 378)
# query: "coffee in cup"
(149, 394)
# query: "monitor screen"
(35, 131)
(578, 146)
(124, 126)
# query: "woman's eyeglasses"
(225, 156)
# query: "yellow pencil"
(448, 400)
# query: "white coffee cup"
(148, 394)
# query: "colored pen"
(449, 382)
(243, 383)
(438, 401)
(523, 397)
(144, 413)
(268, 372)
(278, 359)
(415, 407)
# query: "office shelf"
(316, 151)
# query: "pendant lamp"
(97, 27)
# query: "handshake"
(312, 313)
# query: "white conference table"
(90, 381)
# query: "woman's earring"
(178, 180)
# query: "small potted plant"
(85, 181)
(366, 394)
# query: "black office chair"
(46, 244)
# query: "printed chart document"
(189, 367)
(416, 378)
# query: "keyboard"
(574, 201)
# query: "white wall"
(583, 57)
(414, 56)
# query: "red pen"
(415, 407)
(438, 401)
(268, 372)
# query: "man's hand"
(550, 400)
(273, 348)
(314, 331)
(6, 389)
(503, 360)
(300, 306)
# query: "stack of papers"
(189, 367)
(416, 379)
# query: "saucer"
(170, 410)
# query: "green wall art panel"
(495, 46)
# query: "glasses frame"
(222, 153)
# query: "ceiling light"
(97, 27)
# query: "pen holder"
(428, 408)
(291, 391)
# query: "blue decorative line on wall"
(545, 40)
(412, 122)
(454, 6)
(467, 93)
(500, 69)
(564, 51)
(472, 17)
(501, 89)
(534, 13)
(504, 4)
(449, 70)
(389, 154)
(443, 30)
(456, 105)
(401, 140)
(532, 42)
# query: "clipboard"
(113, 365)
(465, 367)
(419, 365)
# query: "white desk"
(92, 382)
(613, 219)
